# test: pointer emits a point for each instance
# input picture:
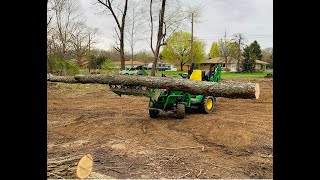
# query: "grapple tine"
(130, 90)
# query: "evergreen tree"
(249, 56)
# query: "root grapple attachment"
(130, 90)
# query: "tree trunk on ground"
(71, 167)
(228, 90)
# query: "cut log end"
(84, 166)
(257, 91)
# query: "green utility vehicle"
(135, 70)
(176, 101)
(179, 101)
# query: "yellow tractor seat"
(196, 75)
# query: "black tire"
(205, 106)
(153, 113)
(181, 111)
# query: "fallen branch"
(188, 147)
(199, 173)
(268, 156)
(185, 175)
(115, 167)
(170, 159)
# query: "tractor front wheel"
(153, 113)
(181, 111)
(207, 104)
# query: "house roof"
(129, 62)
(220, 60)
(231, 60)
(83, 62)
(261, 62)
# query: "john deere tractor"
(179, 101)
(176, 101)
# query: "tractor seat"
(205, 75)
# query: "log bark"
(227, 89)
(65, 79)
(70, 167)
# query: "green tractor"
(176, 101)
(179, 101)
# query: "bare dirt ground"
(235, 141)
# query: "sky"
(252, 18)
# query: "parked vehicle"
(135, 70)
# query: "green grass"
(86, 71)
(169, 73)
(245, 75)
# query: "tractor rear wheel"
(207, 104)
(181, 111)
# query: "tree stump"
(70, 167)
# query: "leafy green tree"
(218, 49)
(90, 56)
(256, 49)
(108, 65)
(71, 67)
(214, 50)
(178, 49)
(227, 50)
(57, 65)
(249, 56)
(233, 49)
(98, 61)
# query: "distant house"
(232, 64)
(261, 65)
(83, 64)
(163, 66)
(129, 63)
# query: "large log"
(227, 89)
(70, 167)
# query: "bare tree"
(238, 40)
(82, 40)
(167, 24)
(66, 15)
(225, 50)
(68, 36)
(109, 4)
(160, 37)
(194, 13)
(134, 27)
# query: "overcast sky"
(253, 18)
